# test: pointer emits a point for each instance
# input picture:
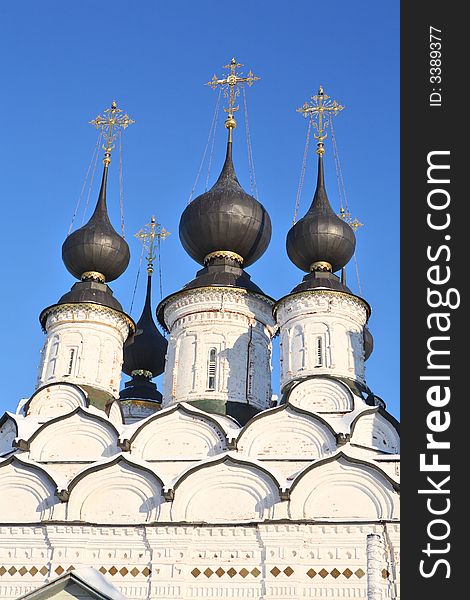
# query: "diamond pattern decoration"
(323, 573)
(59, 570)
(146, 571)
(385, 573)
(288, 571)
(275, 571)
(195, 572)
(2, 571)
(102, 570)
(311, 573)
(113, 571)
(220, 572)
(335, 573)
(33, 571)
(71, 568)
(135, 572)
(123, 571)
(359, 573)
(22, 571)
(255, 572)
(231, 572)
(347, 573)
(44, 570)
(208, 572)
(244, 572)
(12, 571)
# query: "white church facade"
(209, 489)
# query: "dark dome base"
(91, 291)
(223, 272)
(321, 279)
(140, 388)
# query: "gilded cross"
(111, 122)
(320, 109)
(147, 236)
(230, 86)
(346, 216)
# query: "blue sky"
(62, 63)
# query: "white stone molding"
(27, 492)
(84, 345)
(236, 324)
(78, 436)
(287, 432)
(322, 395)
(227, 490)
(321, 333)
(178, 433)
(343, 488)
(119, 491)
(373, 429)
(56, 399)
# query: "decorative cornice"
(326, 293)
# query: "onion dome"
(96, 252)
(368, 343)
(225, 220)
(145, 352)
(320, 241)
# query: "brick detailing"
(220, 572)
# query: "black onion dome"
(320, 236)
(146, 350)
(225, 218)
(368, 342)
(96, 246)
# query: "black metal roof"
(320, 235)
(96, 246)
(225, 218)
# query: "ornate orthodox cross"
(147, 236)
(110, 122)
(320, 109)
(230, 86)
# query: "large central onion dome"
(96, 251)
(225, 219)
(320, 240)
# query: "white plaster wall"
(240, 326)
(95, 335)
(180, 562)
(334, 320)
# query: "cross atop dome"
(231, 87)
(147, 236)
(111, 122)
(320, 109)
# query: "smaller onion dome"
(368, 342)
(225, 219)
(96, 251)
(320, 240)
(145, 352)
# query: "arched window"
(211, 369)
(319, 351)
(71, 360)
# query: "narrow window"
(319, 352)
(70, 364)
(211, 369)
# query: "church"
(211, 487)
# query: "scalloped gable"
(341, 487)
(8, 433)
(375, 428)
(28, 492)
(286, 432)
(179, 431)
(227, 490)
(322, 395)
(116, 491)
(79, 435)
(56, 399)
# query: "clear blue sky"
(63, 62)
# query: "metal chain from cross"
(230, 86)
(111, 122)
(320, 109)
(147, 236)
